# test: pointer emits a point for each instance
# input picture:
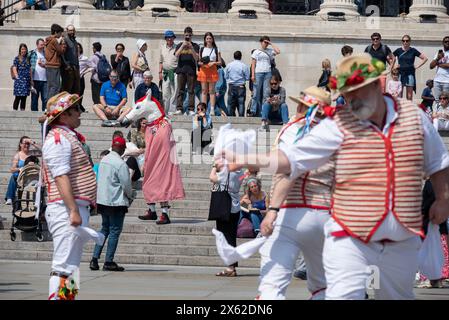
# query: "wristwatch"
(270, 208)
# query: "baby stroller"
(24, 209)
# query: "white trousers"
(68, 241)
(295, 229)
(169, 95)
(441, 124)
(348, 263)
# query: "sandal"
(227, 273)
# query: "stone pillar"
(82, 4)
(347, 6)
(435, 7)
(173, 6)
(260, 6)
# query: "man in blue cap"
(167, 65)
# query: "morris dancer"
(71, 189)
(381, 146)
(300, 222)
(162, 179)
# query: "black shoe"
(164, 219)
(94, 264)
(149, 215)
(112, 266)
(300, 275)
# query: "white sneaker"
(8, 202)
(177, 112)
(190, 113)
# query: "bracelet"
(270, 208)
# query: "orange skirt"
(207, 74)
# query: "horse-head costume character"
(146, 107)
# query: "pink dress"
(162, 179)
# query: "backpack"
(103, 68)
(245, 229)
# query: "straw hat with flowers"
(355, 72)
(59, 103)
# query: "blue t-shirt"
(427, 92)
(406, 59)
(113, 96)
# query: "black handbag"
(220, 203)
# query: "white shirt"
(57, 158)
(442, 73)
(40, 74)
(325, 139)
(394, 88)
(210, 52)
(263, 59)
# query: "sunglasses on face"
(405, 40)
(444, 98)
(273, 83)
(375, 39)
(446, 41)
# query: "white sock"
(152, 207)
(165, 210)
(53, 287)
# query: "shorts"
(208, 74)
(408, 80)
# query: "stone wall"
(304, 41)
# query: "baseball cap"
(169, 34)
(119, 142)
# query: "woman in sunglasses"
(441, 116)
(406, 56)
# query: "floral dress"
(22, 85)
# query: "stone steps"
(180, 243)
(183, 260)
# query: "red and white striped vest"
(81, 175)
(373, 170)
(312, 189)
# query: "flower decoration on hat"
(60, 103)
(358, 74)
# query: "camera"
(200, 118)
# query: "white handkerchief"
(86, 234)
(229, 254)
(237, 141)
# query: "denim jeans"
(12, 187)
(280, 114)
(439, 87)
(236, 100)
(262, 82)
(255, 217)
(41, 90)
(219, 105)
(111, 227)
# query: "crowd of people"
(189, 72)
(294, 216)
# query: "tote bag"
(220, 203)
